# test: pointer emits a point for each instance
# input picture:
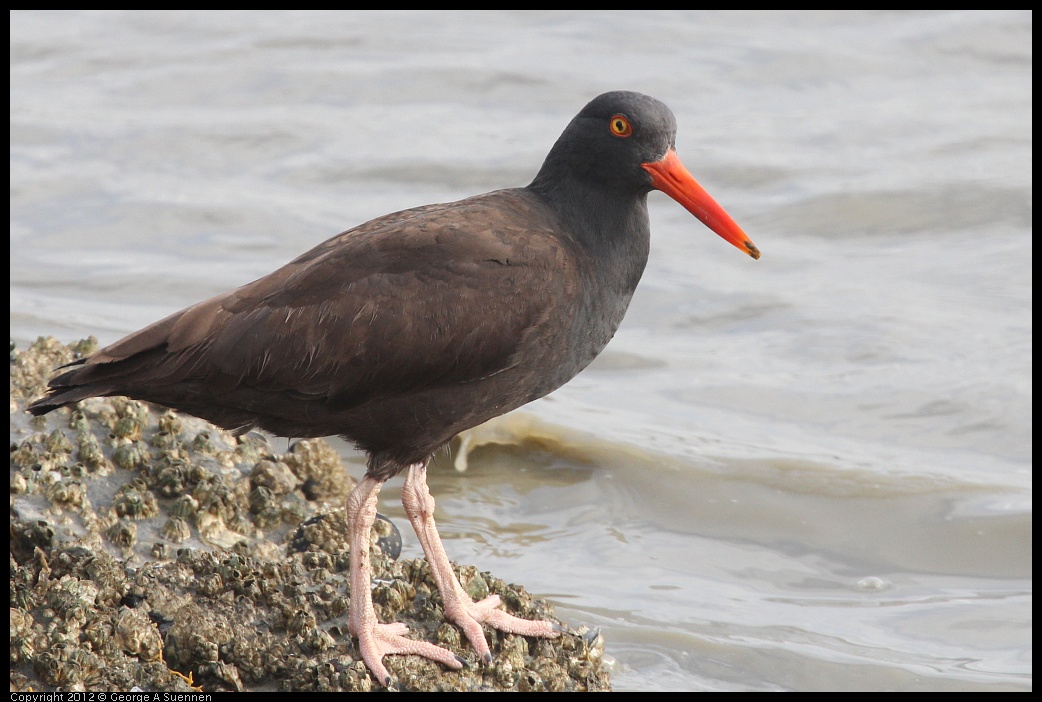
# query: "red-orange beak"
(670, 176)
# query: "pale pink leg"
(459, 608)
(376, 640)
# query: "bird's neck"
(609, 226)
(611, 237)
(613, 234)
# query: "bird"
(403, 331)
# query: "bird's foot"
(459, 609)
(379, 640)
(469, 616)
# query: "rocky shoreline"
(151, 550)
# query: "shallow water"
(811, 471)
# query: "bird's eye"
(620, 126)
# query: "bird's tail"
(70, 387)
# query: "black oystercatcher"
(402, 332)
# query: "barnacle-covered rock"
(135, 501)
(176, 530)
(137, 635)
(149, 549)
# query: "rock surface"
(151, 550)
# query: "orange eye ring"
(620, 126)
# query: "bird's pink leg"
(376, 640)
(459, 608)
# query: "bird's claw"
(388, 639)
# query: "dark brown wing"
(432, 297)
